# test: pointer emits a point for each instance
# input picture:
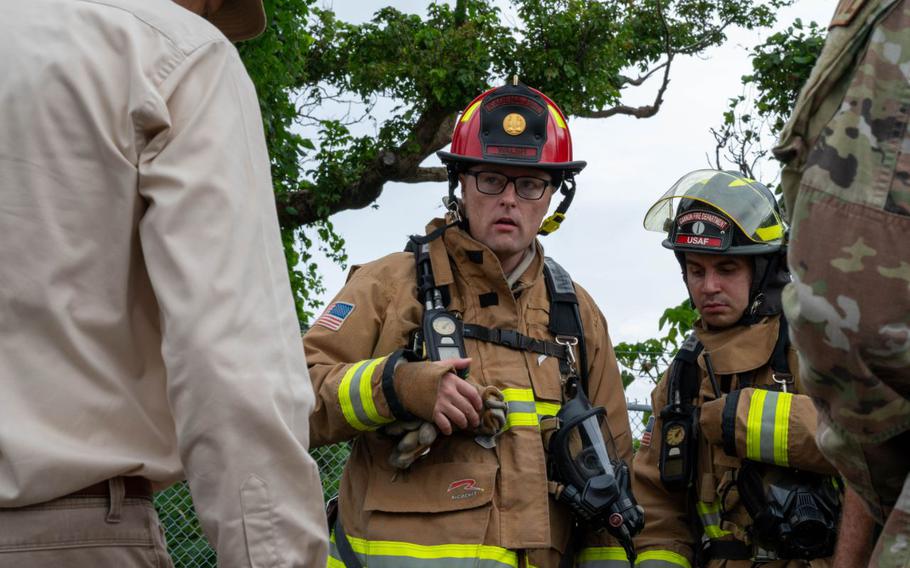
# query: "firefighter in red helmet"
(461, 368)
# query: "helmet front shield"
(700, 195)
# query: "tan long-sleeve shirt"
(146, 321)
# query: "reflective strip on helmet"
(394, 554)
(661, 559)
(602, 557)
(524, 410)
(739, 182)
(356, 396)
(767, 427)
(466, 116)
(771, 233)
(556, 117)
(709, 513)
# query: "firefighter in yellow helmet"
(728, 472)
(445, 368)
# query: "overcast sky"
(631, 163)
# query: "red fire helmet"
(513, 125)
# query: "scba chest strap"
(565, 318)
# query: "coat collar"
(740, 348)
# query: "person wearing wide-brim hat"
(148, 332)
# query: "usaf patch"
(646, 437)
(334, 315)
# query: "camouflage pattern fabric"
(847, 184)
(893, 547)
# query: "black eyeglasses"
(527, 187)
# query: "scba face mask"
(595, 486)
(794, 513)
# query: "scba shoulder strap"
(565, 318)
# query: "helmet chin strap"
(552, 223)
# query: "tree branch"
(646, 111)
(638, 81)
(431, 132)
(438, 173)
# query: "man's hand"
(458, 404)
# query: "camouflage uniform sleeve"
(347, 372)
(666, 541)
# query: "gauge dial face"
(444, 326)
(675, 435)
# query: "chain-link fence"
(188, 547)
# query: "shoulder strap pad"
(563, 301)
(565, 319)
(684, 375)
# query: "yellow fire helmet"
(718, 212)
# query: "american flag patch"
(646, 437)
(334, 315)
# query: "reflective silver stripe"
(768, 415)
(522, 406)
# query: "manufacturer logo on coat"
(464, 489)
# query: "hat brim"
(562, 167)
(240, 20)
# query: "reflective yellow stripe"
(653, 557)
(366, 393)
(547, 408)
(470, 110)
(709, 513)
(518, 395)
(556, 118)
(771, 233)
(344, 397)
(334, 563)
(355, 395)
(753, 425)
(782, 429)
(522, 417)
(393, 548)
(602, 553)
(741, 182)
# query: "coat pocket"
(438, 503)
(544, 370)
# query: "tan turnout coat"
(481, 503)
(740, 356)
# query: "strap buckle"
(451, 205)
(569, 343)
(783, 379)
(508, 337)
